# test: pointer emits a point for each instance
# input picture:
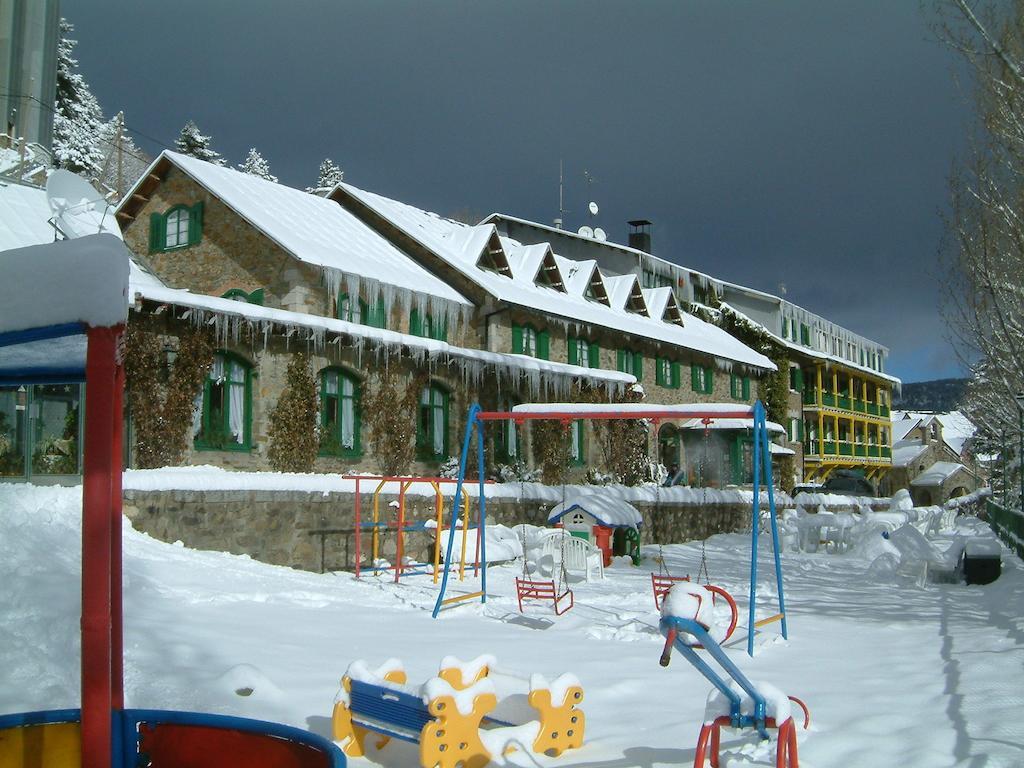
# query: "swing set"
(566, 413)
(379, 524)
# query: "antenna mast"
(561, 207)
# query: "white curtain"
(197, 412)
(575, 440)
(348, 412)
(513, 448)
(217, 369)
(438, 421)
(236, 403)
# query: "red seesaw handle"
(666, 655)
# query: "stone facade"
(928, 435)
(316, 531)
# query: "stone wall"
(316, 531)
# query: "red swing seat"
(529, 589)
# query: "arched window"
(223, 416)
(178, 227)
(239, 294)
(340, 414)
(432, 425)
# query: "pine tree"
(193, 143)
(77, 115)
(255, 165)
(330, 176)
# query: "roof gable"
(624, 292)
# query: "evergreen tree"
(330, 176)
(193, 143)
(255, 165)
(77, 115)
(293, 422)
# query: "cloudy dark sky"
(797, 143)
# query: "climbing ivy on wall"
(161, 394)
(293, 422)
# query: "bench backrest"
(387, 706)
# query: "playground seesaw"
(463, 716)
(687, 622)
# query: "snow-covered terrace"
(230, 318)
(465, 247)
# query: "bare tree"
(984, 293)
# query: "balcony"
(845, 449)
(827, 398)
(830, 448)
(860, 450)
(860, 406)
(872, 409)
(873, 451)
(886, 452)
(883, 410)
(843, 402)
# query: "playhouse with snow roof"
(612, 525)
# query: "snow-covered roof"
(957, 429)
(609, 512)
(462, 246)
(49, 294)
(643, 410)
(312, 229)
(937, 473)
(731, 424)
(902, 426)
(24, 216)
(811, 352)
(906, 451)
(264, 318)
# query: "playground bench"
(542, 590)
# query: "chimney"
(640, 235)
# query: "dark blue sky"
(804, 143)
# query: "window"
(739, 387)
(666, 373)
(237, 294)
(805, 335)
(359, 312)
(424, 325)
(795, 430)
(223, 416)
(506, 436)
(432, 426)
(630, 362)
(527, 340)
(577, 444)
(796, 379)
(583, 352)
(179, 227)
(340, 414)
(701, 379)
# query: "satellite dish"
(78, 209)
(593, 208)
(585, 231)
(600, 234)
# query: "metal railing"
(1008, 525)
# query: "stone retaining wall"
(315, 531)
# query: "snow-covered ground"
(895, 674)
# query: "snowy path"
(894, 675)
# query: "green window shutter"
(659, 371)
(415, 324)
(594, 356)
(156, 233)
(675, 374)
(805, 335)
(733, 388)
(620, 360)
(800, 430)
(357, 421)
(517, 339)
(195, 223)
(799, 379)
(256, 297)
(444, 440)
(574, 352)
(543, 345)
(695, 377)
(377, 314)
(638, 366)
(709, 382)
(441, 330)
(746, 387)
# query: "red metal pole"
(116, 563)
(97, 564)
